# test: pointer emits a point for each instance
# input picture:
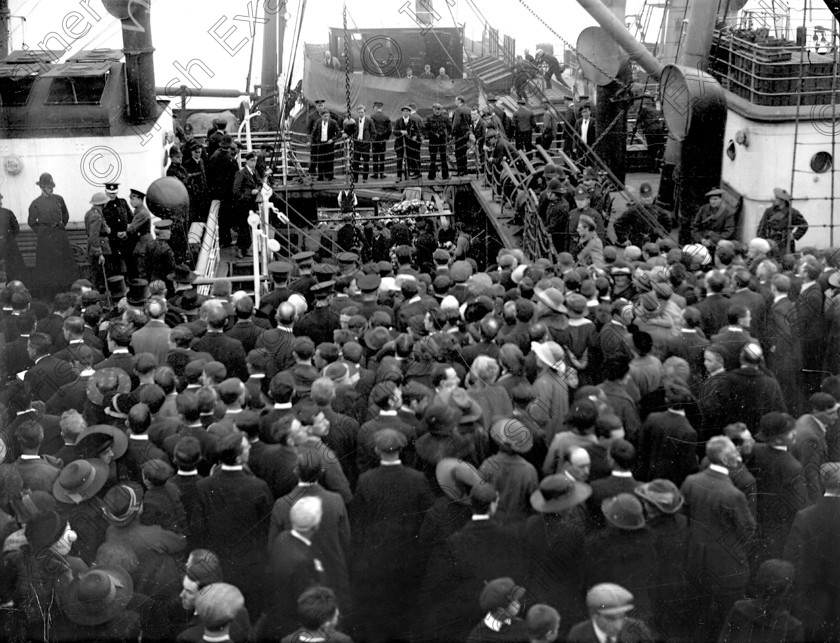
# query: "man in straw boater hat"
(55, 264)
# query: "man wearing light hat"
(714, 220)
(608, 606)
(99, 247)
(782, 223)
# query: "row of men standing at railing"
(368, 136)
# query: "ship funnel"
(138, 50)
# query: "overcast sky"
(208, 43)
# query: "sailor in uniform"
(137, 234)
(303, 284)
(279, 271)
(117, 215)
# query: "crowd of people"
(645, 447)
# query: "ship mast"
(4, 29)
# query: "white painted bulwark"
(766, 163)
(81, 165)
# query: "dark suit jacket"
(713, 313)
(749, 395)
(667, 448)
(292, 569)
(812, 548)
(757, 306)
(781, 494)
(274, 463)
(17, 359)
(634, 631)
(331, 543)
(38, 474)
(52, 326)
(333, 131)
(591, 133)
(233, 510)
(732, 340)
(720, 531)
(48, 375)
(125, 361)
(811, 449)
(188, 486)
(478, 553)
(810, 326)
(608, 487)
(246, 332)
(279, 344)
(226, 350)
(783, 350)
(139, 452)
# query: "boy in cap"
(608, 605)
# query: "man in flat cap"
(386, 515)
(608, 606)
(714, 220)
(782, 223)
(438, 127)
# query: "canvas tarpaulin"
(320, 81)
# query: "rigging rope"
(351, 194)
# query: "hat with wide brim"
(102, 432)
(662, 494)
(376, 338)
(513, 434)
(106, 380)
(624, 511)
(80, 480)
(549, 353)
(182, 274)
(558, 493)
(456, 478)
(553, 298)
(98, 595)
(469, 408)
